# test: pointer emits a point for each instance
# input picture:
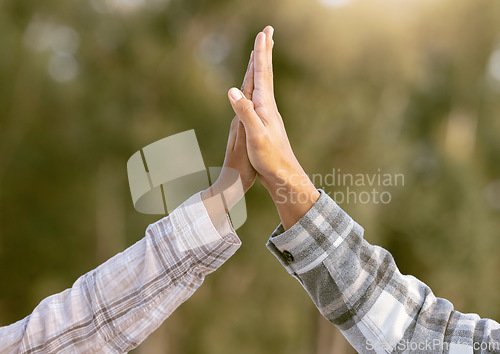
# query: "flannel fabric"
(114, 307)
(358, 287)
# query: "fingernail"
(272, 31)
(262, 37)
(235, 94)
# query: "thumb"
(244, 110)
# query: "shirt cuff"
(195, 233)
(315, 236)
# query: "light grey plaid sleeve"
(114, 307)
(358, 287)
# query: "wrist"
(229, 189)
(293, 202)
(293, 194)
(222, 196)
(291, 181)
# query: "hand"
(227, 190)
(268, 148)
(236, 151)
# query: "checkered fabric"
(114, 307)
(358, 287)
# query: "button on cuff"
(288, 256)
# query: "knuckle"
(263, 111)
(260, 139)
(259, 100)
(259, 69)
(246, 107)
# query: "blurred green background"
(409, 87)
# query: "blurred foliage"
(407, 87)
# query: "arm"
(116, 306)
(355, 285)
(358, 287)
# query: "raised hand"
(236, 151)
(227, 191)
(268, 148)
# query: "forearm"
(293, 194)
(359, 288)
(221, 197)
(121, 302)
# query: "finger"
(233, 131)
(260, 62)
(269, 31)
(249, 85)
(245, 111)
(248, 72)
(241, 140)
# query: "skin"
(227, 191)
(268, 148)
(258, 146)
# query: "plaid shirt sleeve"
(358, 287)
(114, 307)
